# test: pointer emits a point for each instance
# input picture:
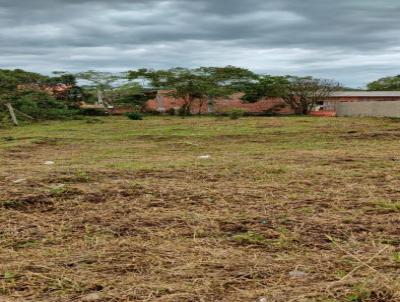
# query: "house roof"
(366, 94)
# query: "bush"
(153, 112)
(184, 111)
(136, 116)
(93, 112)
(42, 106)
(171, 111)
(236, 113)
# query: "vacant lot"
(201, 209)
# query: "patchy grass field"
(285, 209)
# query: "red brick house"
(164, 102)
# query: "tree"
(102, 82)
(64, 87)
(31, 95)
(300, 93)
(201, 84)
(387, 83)
(131, 93)
(12, 81)
(12, 84)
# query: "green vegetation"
(388, 206)
(65, 95)
(250, 238)
(35, 96)
(299, 93)
(387, 83)
(136, 116)
(235, 114)
(196, 86)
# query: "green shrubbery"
(171, 111)
(236, 113)
(40, 105)
(37, 105)
(136, 116)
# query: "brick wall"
(221, 105)
(225, 104)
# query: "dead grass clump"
(374, 289)
(385, 135)
(27, 201)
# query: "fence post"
(12, 113)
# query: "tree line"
(59, 95)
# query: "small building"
(164, 102)
(332, 106)
(353, 101)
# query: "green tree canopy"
(387, 83)
(101, 82)
(300, 93)
(200, 84)
(11, 80)
(24, 91)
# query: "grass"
(131, 211)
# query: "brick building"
(164, 102)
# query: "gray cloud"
(353, 41)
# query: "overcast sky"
(352, 41)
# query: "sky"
(351, 41)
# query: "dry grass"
(286, 209)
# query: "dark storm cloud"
(351, 40)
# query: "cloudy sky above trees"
(352, 41)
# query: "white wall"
(369, 108)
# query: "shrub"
(184, 111)
(236, 113)
(171, 111)
(136, 116)
(42, 106)
(93, 112)
(153, 112)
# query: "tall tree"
(12, 82)
(300, 93)
(387, 83)
(201, 84)
(131, 93)
(64, 86)
(102, 82)
(17, 85)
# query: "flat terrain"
(201, 209)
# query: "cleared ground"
(284, 209)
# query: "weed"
(26, 244)
(9, 275)
(358, 294)
(250, 238)
(396, 257)
(82, 176)
(387, 205)
(58, 190)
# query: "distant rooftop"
(366, 94)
